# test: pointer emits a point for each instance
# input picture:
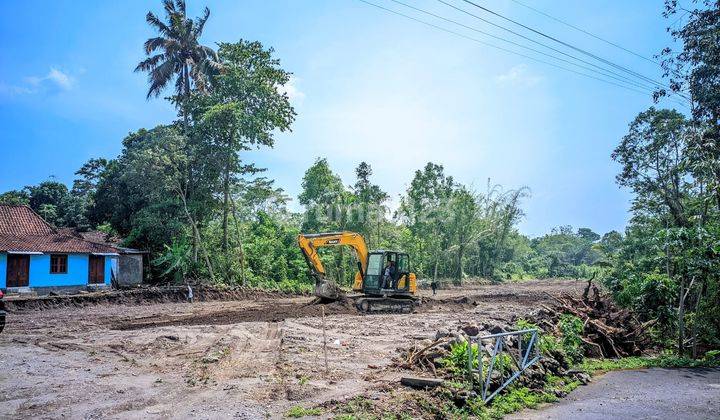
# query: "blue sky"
(368, 85)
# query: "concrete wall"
(77, 274)
(130, 270)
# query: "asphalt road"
(640, 394)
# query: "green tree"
(261, 195)
(47, 199)
(15, 197)
(652, 156)
(327, 208)
(670, 204)
(462, 224)
(588, 234)
(46, 193)
(141, 195)
(499, 214)
(424, 210)
(88, 176)
(244, 110)
(178, 55)
(694, 73)
(370, 209)
(322, 194)
(610, 243)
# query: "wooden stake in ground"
(324, 341)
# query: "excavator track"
(375, 305)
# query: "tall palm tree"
(179, 53)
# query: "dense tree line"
(451, 231)
(667, 266)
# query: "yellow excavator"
(383, 282)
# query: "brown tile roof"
(21, 229)
(100, 238)
(51, 243)
(21, 220)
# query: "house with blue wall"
(36, 256)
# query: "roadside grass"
(712, 359)
(517, 399)
(514, 400)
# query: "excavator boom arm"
(309, 244)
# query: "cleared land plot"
(249, 358)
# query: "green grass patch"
(664, 361)
(356, 409)
(300, 411)
(515, 399)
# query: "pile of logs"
(608, 331)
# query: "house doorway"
(97, 269)
(18, 270)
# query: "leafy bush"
(457, 361)
(571, 328)
(652, 295)
(547, 344)
(713, 356)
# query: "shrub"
(571, 328)
(457, 361)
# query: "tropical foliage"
(667, 267)
(188, 193)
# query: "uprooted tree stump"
(608, 330)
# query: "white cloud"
(291, 90)
(55, 80)
(15, 90)
(518, 76)
(61, 79)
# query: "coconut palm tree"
(179, 53)
(176, 54)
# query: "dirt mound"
(264, 312)
(136, 297)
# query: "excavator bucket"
(327, 290)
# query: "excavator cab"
(397, 283)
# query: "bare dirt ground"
(252, 358)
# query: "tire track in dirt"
(276, 312)
(268, 312)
